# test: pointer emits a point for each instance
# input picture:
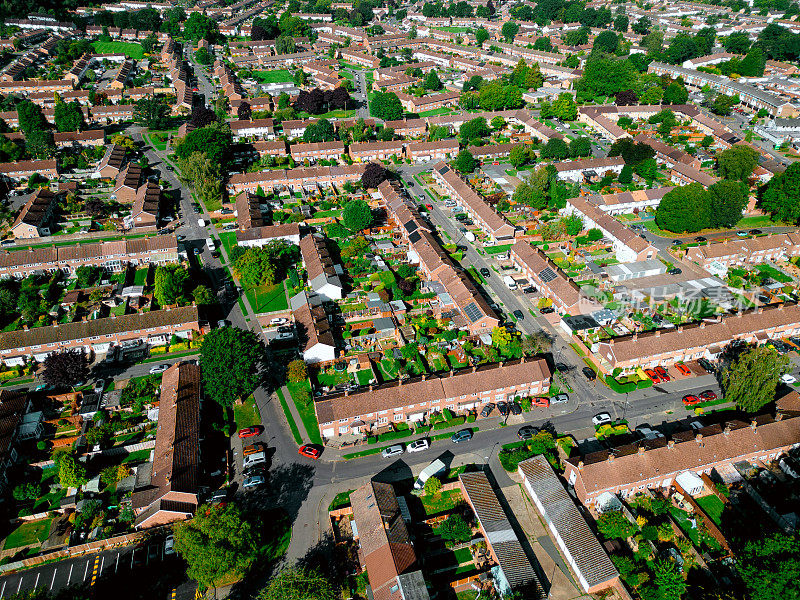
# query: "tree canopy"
(357, 215)
(230, 359)
(737, 162)
(295, 583)
(782, 195)
(750, 380)
(386, 106)
(65, 368)
(464, 162)
(684, 209)
(170, 284)
(770, 567)
(374, 174)
(152, 113)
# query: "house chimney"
(658, 333)
(580, 465)
(698, 438)
(753, 425)
(727, 429)
(671, 444)
(611, 457)
(642, 450)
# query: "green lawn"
(438, 503)
(436, 111)
(331, 114)
(698, 538)
(267, 298)
(712, 506)
(228, 240)
(130, 49)
(32, 532)
(289, 418)
(138, 456)
(275, 76)
(140, 277)
(306, 410)
(246, 415)
(759, 221)
(454, 29)
(771, 271)
(364, 376)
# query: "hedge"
(451, 423)
(629, 386)
(391, 435)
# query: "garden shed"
(691, 483)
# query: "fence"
(126, 449)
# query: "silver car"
(393, 451)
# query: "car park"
(250, 431)
(526, 432)
(683, 369)
(691, 400)
(487, 409)
(158, 369)
(515, 408)
(252, 449)
(419, 445)
(601, 419)
(589, 373)
(393, 451)
(310, 450)
(461, 436)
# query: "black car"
(503, 408)
(700, 238)
(563, 367)
(589, 373)
(515, 408)
(676, 242)
(675, 271)
(529, 290)
(547, 310)
(755, 232)
(527, 432)
(485, 272)
(518, 313)
(706, 364)
(487, 409)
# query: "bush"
(451, 423)
(432, 486)
(620, 388)
(471, 418)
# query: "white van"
(251, 460)
(211, 245)
(435, 468)
(509, 281)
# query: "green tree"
(432, 486)
(737, 162)
(455, 528)
(203, 56)
(473, 129)
(293, 583)
(607, 41)
(509, 31)
(199, 26)
(723, 104)
(203, 296)
(152, 113)
(782, 195)
(642, 26)
(685, 209)
(614, 525)
(573, 224)
(564, 107)
(652, 95)
(555, 148)
(750, 381)
(30, 117)
(668, 581)
(432, 81)
(728, 201)
(752, 65)
(219, 540)
(170, 284)
(214, 141)
(321, 131)
(770, 567)
(464, 162)
(285, 44)
(149, 43)
(69, 116)
(737, 42)
(230, 360)
(626, 174)
(676, 93)
(386, 106)
(71, 472)
(518, 156)
(580, 146)
(607, 76)
(501, 337)
(357, 215)
(28, 491)
(621, 23)
(296, 371)
(481, 35)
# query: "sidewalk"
(295, 414)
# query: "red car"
(250, 431)
(708, 395)
(429, 206)
(310, 450)
(662, 372)
(543, 401)
(684, 370)
(652, 375)
(691, 400)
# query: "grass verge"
(290, 419)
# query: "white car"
(169, 545)
(602, 419)
(392, 451)
(158, 369)
(788, 379)
(278, 321)
(419, 445)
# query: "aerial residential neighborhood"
(365, 300)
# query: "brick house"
(23, 169)
(36, 215)
(172, 490)
(756, 250)
(438, 150)
(367, 151)
(316, 151)
(413, 400)
(127, 183)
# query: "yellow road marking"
(94, 570)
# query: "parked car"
(755, 232)
(691, 400)
(700, 238)
(559, 399)
(649, 434)
(310, 450)
(515, 408)
(675, 271)
(487, 409)
(602, 419)
(485, 272)
(542, 401)
(788, 379)
(589, 373)
(547, 310)
(393, 451)
(253, 482)
(662, 373)
(462, 436)
(706, 364)
(529, 290)
(248, 432)
(526, 432)
(652, 375)
(708, 395)
(683, 369)
(169, 545)
(158, 369)
(99, 386)
(218, 496)
(741, 233)
(519, 315)
(503, 408)
(252, 449)
(278, 321)
(419, 445)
